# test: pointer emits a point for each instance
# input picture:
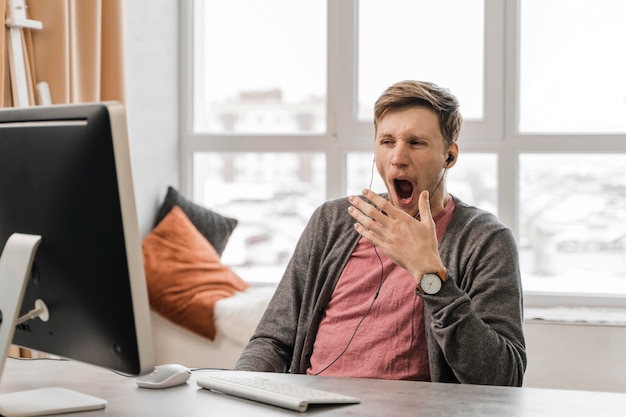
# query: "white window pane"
(362, 174)
(573, 223)
(259, 66)
(473, 179)
(572, 66)
(272, 195)
(439, 41)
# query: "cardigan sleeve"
(475, 321)
(271, 347)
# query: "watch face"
(430, 283)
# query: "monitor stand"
(16, 263)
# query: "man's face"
(410, 156)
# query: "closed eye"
(417, 141)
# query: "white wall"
(151, 55)
(576, 356)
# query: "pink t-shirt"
(374, 330)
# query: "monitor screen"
(65, 175)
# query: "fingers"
(427, 219)
(371, 209)
(369, 217)
(363, 212)
(394, 231)
(425, 215)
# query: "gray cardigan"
(474, 324)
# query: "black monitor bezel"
(65, 174)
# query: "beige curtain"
(3, 70)
(78, 53)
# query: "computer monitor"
(70, 239)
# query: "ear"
(452, 156)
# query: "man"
(414, 284)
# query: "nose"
(399, 154)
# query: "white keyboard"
(263, 390)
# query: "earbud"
(450, 158)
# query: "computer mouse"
(164, 376)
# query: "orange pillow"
(184, 275)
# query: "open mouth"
(404, 188)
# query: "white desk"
(379, 398)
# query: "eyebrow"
(406, 138)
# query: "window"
(398, 39)
(570, 144)
(250, 72)
(272, 195)
(278, 106)
(572, 222)
(568, 61)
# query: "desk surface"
(379, 398)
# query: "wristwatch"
(431, 282)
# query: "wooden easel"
(19, 72)
(19, 59)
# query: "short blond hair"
(411, 93)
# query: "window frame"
(497, 133)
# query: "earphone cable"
(369, 309)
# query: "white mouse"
(164, 376)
